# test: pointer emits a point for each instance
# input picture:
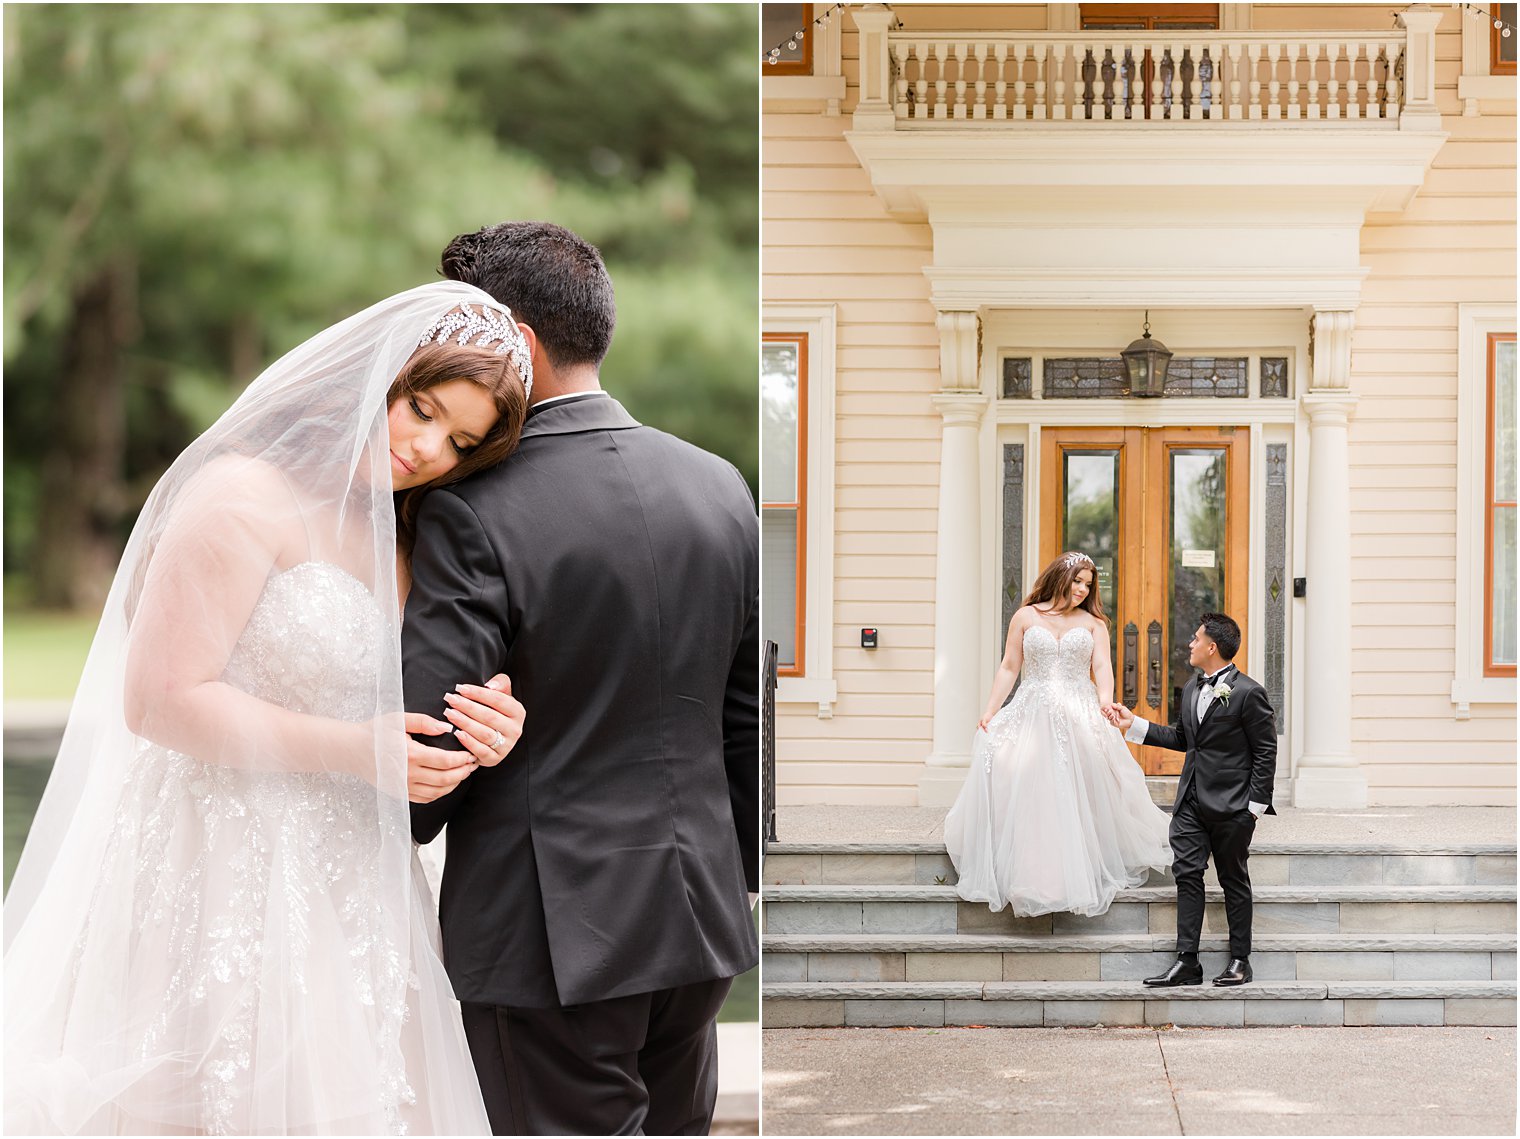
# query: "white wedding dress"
(1054, 815)
(240, 924)
(218, 925)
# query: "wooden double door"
(1163, 513)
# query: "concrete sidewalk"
(1139, 1081)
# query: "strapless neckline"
(1062, 637)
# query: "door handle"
(1153, 659)
(1131, 665)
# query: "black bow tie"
(1213, 680)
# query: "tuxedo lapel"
(1190, 705)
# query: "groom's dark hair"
(1224, 633)
(552, 280)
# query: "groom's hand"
(432, 772)
(1119, 716)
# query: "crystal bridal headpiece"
(1075, 558)
(491, 327)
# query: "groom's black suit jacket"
(611, 571)
(1231, 755)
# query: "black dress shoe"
(1181, 973)
(1237, 972)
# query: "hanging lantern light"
(1146, 361)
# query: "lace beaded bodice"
(297, 649)
(1061, 663)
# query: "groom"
(593, 903)
(1225, 725)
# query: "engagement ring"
(499, 743)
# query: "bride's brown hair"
(435, 364)
(1055, 582)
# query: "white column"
(957, 583)
(873, 112)
(1327, 774)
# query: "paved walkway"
(1139, 1081)
(1376, 824)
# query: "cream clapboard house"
(969, 211)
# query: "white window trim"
(1469, 686)
(1475, 82)
(816, 685)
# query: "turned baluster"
(1254, 50)
(1374, 83)
(1237, 56)
(1332, 81)
(1058, 90)
(1041, 52)
(1000, 85)
(1353, 104)
(960, 55)
(921, 87)
(1016, 66)
(1312, 110)
(1395, 84)
(1294, 111)
(1274, 84)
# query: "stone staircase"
(873, 934)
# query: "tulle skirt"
(1054, 815)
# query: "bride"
(1054, 814)
(218, 924)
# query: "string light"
(773, 56)
(1502, 26)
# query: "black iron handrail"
(768, 738)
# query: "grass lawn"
(44, 653)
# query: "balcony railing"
(1182, 77)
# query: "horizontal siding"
(827, 237)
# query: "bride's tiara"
(1074, 559)
(491, 327)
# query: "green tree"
(191, 190)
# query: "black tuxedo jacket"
(1231, 754)
(612, 572)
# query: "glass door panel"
(1162, 512)
(1090, 519)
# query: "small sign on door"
(1198, 559)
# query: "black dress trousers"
(1193, 838)
(645, 1064)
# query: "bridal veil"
(215, 925)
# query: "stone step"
(1047, 1003)
(791, 958)
(936, 909)
(1272, 864)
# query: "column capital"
(1329, 406)
(1331, 344)
(960, 408)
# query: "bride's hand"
(479, 713)
(982, 723)
(432, 772)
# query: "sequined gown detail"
(1054, 815)
(258, 921)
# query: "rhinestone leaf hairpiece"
(1075, 559)
(491, 327)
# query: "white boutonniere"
(1222, 693)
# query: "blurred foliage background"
(190, 190)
